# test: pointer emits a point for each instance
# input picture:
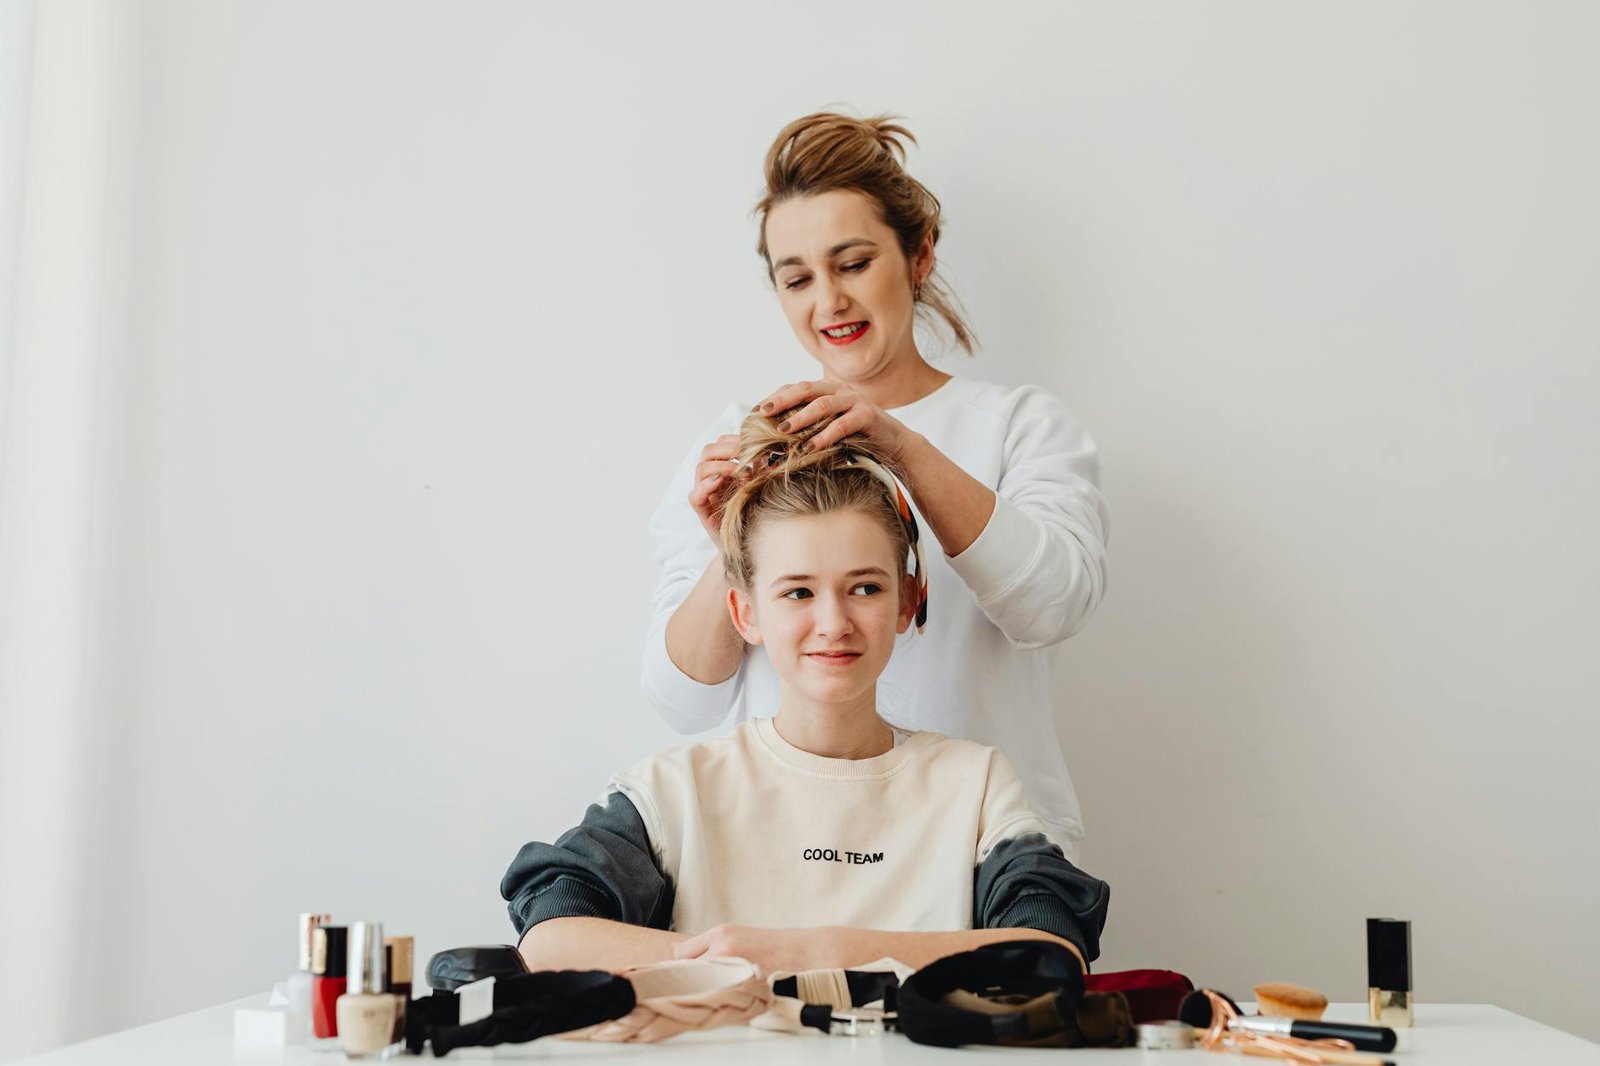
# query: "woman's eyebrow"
(794, 260)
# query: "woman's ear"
(743, 613)
(922, 264)
(910, 600)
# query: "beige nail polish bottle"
(366, 1011)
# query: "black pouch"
(1023, 993)
(450, 969)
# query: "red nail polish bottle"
(328, 980)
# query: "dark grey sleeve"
(602, 869)
(1026, 883)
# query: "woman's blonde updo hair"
(787, 482)
(828, 151)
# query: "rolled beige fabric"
(682, 995)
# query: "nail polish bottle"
(299, 984)
(397, 957)
(328, 956)
(366, 1011)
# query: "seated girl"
(823, 836)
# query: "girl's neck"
(834, 731)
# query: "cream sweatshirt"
(934, 835)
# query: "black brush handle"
(1363, 1037)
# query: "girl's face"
(826, 601)
(843, 282)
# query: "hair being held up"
(786, 480)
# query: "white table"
(1446, 1034)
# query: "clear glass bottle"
(298, 986)
(367, 1012)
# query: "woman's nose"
(831, 299)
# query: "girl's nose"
(831, 619)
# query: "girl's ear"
(908, 603)
(743, 613)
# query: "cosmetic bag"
(1152, 995)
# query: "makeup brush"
(1196, 1011)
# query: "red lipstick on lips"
(840, 342)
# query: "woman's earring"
(916, 291)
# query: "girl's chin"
(823, 696)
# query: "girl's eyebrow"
(794, 260)
(862, 571)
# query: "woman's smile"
(846, 333)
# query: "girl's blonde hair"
(828, 151)
(786, 481)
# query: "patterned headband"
(908, 520)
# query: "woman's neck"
(834, 731)
(905, 380)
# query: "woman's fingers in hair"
(821, 407)
(791, 396)
(724, 447)
(857, 419)
(714, 468)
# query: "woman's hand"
(853, 413)
(770, 949)
(714, 478)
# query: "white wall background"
(408, 310)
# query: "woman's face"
(843, 282)
(826, 601)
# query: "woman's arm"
(955, 504)
(701, 640)
(1038, 567)
(692, 651)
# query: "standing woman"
(1003, 479)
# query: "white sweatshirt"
(1030, 580)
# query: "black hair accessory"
(526, 1007)
(448, 970)
(1026, 993)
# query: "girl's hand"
(770, 949)
(853, 413)
(714, 479)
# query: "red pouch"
(1153, 995)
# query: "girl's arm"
(842, 947)
(594, 944)
(856, 947)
